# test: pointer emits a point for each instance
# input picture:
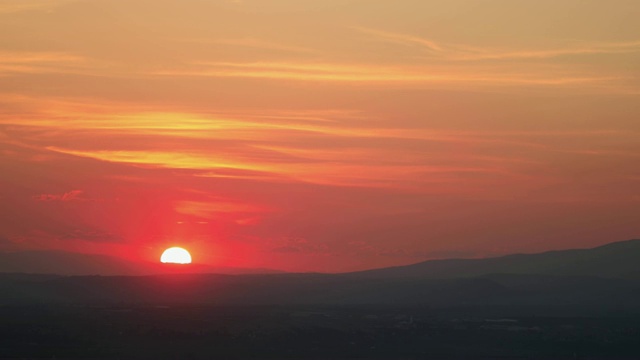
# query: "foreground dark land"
(556, 305)
(204, 332)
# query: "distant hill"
(615, 260)
(66, 263)
(602, 279)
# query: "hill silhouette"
(618, 259)
(603, 279)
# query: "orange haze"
(313, 135)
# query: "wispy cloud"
(403, 39)
(329, 169)
(254, 43)
(38, 57)
(216, 207)
(268, 130)
(16, 6)
(585, 49)
(462, 52)
(173, 159)
(362, 73)
(39, 62)
(73, 195)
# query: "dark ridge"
(619, 259)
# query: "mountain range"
(605, 278)
(619, 259)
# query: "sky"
(307, 135)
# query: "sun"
(176, 255)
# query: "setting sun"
(176, 255)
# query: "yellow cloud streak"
(331, 72)
(343, 166)
(188, 126)
(325, 173)
(71, 116)
(174, 160)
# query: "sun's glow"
(176, 255)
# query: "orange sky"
(318, 135)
